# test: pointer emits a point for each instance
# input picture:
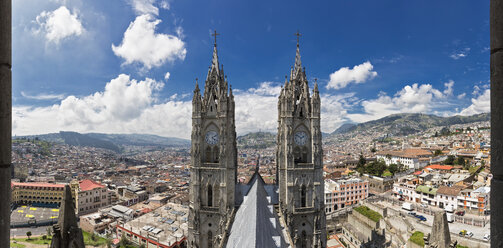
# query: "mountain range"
(406, 124)
(396, 124)
(113, 142)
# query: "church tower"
(213, 159)
(299, 159)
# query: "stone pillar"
(5, 119)
(496, 22)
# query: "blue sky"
(129, 66)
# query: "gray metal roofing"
(255, 223)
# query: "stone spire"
(440, 235)
(67, 233)
(196, 101)
(214, 60)
(298, 63)
(316, 92)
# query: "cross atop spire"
(298, 37)
(215, 35)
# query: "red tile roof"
(439, 167)
(38, 184)
(87, 184)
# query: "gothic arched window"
(303, 240)
(210, 239)
(215, 154)
(304, 154)
(208, 154)
(297, 156)
(303, 199)
(210, 196)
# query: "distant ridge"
(256, 140)
(112, 142)
(405, 124)
(77, 139)
(344, 128)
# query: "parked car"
(412, 213)
(462, 233)
(487, 237)
(401, 199)
(424, 205)
(460, 213)
(420, 217)
(469, 234)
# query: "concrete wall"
(410, 244)
(496, 26)
(382, 210)
(5, 118)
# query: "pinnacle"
(298, 63)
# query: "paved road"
(16, 232)
(455, 227)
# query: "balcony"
(209, 209)
(210, 166)
(303, 210)
(304, 166)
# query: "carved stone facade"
(214, 194)
(213, 160)
(299, 160)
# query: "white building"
(90, 196)
(406, 191)
(411, 158)
(448, 196)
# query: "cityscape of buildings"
(117, 195)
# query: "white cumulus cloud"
(124, 106)
(144, 7)
(164, 5)
(480, 104)
(413, 98)
(59, 24)
(358, 74)
(143, 45)
(460, 54)
(127, 105)
(449, 88)
(43, 96)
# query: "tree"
(436, 134)
(449, 160)
(373, 149)
(28, 234)
(437, 153)
(393, 168)
(362, 161)
(460, 161)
